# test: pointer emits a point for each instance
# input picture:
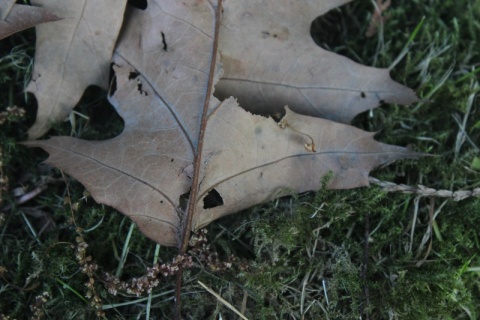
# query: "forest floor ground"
(362, 253)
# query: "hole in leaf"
(183, 201)
(30, 104)
(212, 199)
(139, 4)
(96, 119)
(112, 80)
(165, 47)
(139, 88)
(339, 30)
(133, 75)
(326, 30)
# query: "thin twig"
(244, 302)
(30, 195)
(424, 191)
(364, 307)
(198, 155)
(416, 203)
(40, 187)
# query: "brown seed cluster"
(12, 113)
(88, 268)
(146, 283)
(201, 250)
(37, 306)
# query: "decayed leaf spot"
(281, 34)
(140, 89)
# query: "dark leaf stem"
(187, 222)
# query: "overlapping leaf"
(15, 18)
(72, 54)
(271, 60)
(162, 66)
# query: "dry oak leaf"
(270, 60)
(165, 68)
(72, 54)
(20, 17)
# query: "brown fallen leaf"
(260, 161)
(72, 54)
(180, 142)
(270, 60)
(20, 17)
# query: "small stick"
(424, 191)
(364, 308)
(32, 194)
(187, 223)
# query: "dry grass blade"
(223, 301)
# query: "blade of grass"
(409, 43)
(75, 292)
(149, 301)
(30, 227)
(126, 247)
(437, 86)
(467, 75)
(223, 301)
(122, 304)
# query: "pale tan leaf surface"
(144, 171)
(270, 60)
(21, 17)
(72, 54)
(5, 8)
(260, 161)
(247, 159)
